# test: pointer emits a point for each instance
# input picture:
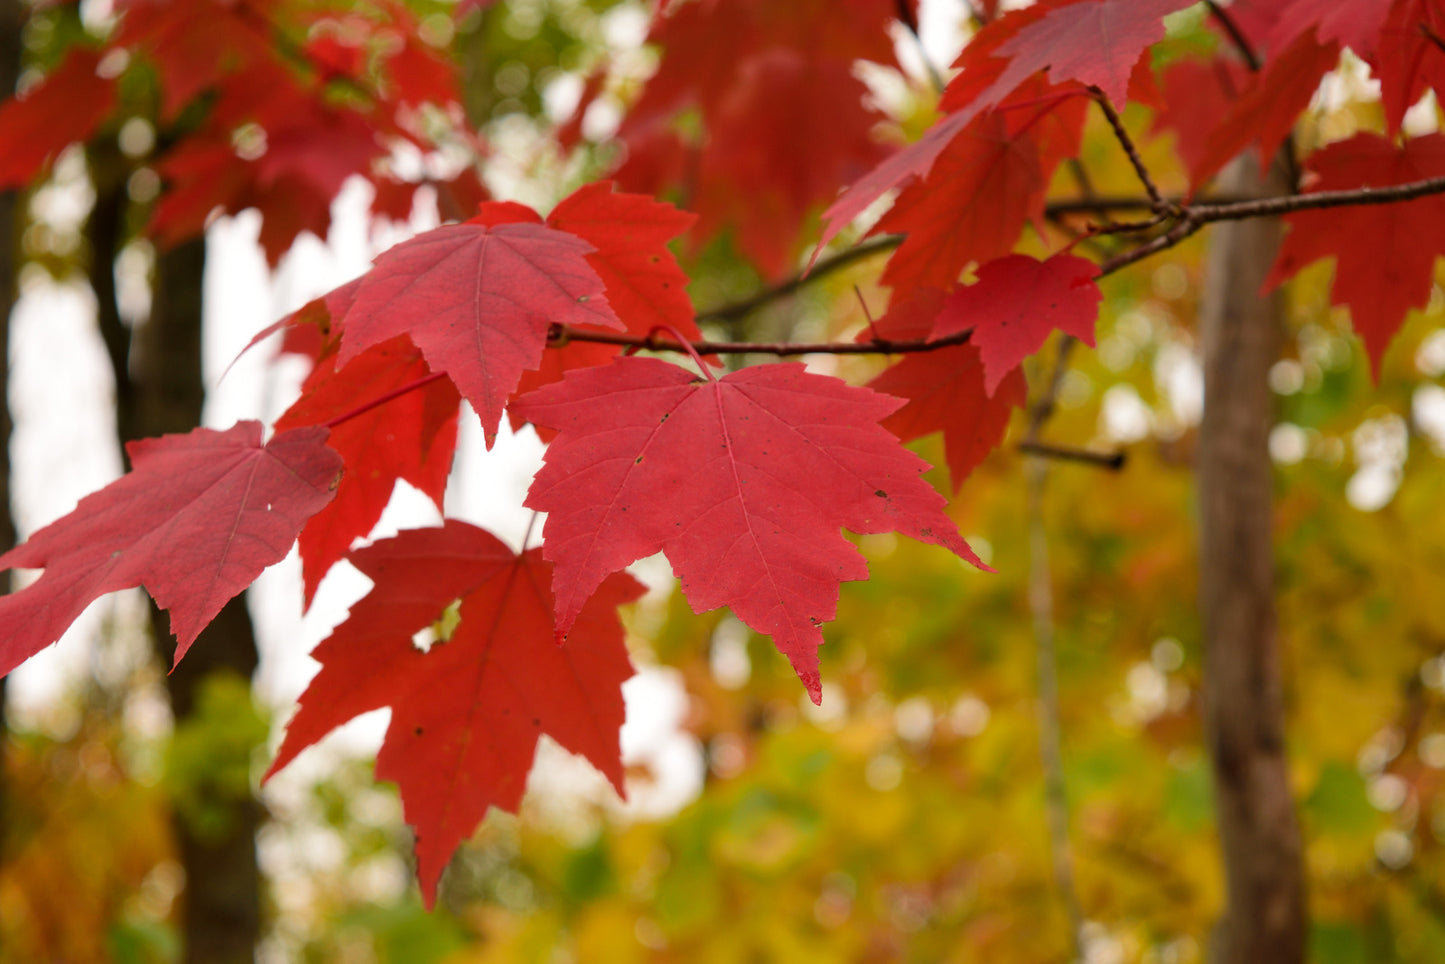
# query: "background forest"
(1004, 767)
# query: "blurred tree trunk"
(1264, 918)
(12, 19)
(160, 389)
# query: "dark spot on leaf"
(536, 722)
(666, 416)
(880, 493)
(638, 461)
(417, 731)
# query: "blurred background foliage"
(904, 820)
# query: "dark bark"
(160, 389)
(1264, 918)
(12, 19)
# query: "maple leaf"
(645, 285)
(195, 45)
(943, 390)
(1264, 113)
(195, 521)
(467, 713)
(785, 121)
(477, 300)
(1384, 254)
(1410, 59)
(1349, 23)
(68, 106)
(743, 482)
(1094, 42)
(411, 437)
(1015, 304)
(971, 207)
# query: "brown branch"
(1190, 217)
(560, 335)
(1206, 212)
(1241, 42)
(737, 309)
(1432, 36)
(1113, 461)
(1156, 200)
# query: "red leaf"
(742, 482)
(943, 389)
(644, 283)
(1266, 111)
(915, 160)
(1095, 42)
(784, 120)
(196, 520)
(1350, 23)
(1385, 253)
(66, 107)
(195, 45)
(411, 437)
(1198, 95)
(971, 206)
(477, 301)
(945, 393)
(467, 713)
(1016, 303)
(1410, 59)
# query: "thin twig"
(1432, 36)
(562, 334)
(1191, 216)
(1156, 199)
(1241, 43)
(1113, 461)
(1041, 607)
(1251, 59)
(826, 266)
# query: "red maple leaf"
(1198, 95)
(1016, 303)
(67, 106)
(1350, 23)
(1094, 42)
(478, 300)
(197, 45)
(1264, 112)
(1410, 56)
(785, 122)
(943, 390)
(971, 207)
(411, 437)
(743, 482)
(645, 285)
(467, 713)
(1384, 254)
(195, 521)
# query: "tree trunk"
(1264, 918)
(160, 389)
(12, 19)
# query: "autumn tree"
(998, 223)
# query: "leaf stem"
(382, 400)
(652, 344)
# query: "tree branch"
(1156, 200)
(1188, 217)
(560, 335)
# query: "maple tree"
(743, 481)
